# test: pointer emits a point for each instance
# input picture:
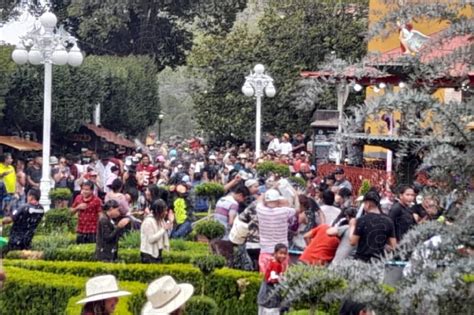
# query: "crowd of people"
(266, 218)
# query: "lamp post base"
(45, 187)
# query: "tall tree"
(290, 38)
(126, 88)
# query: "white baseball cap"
(273, 195)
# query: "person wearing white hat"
(102, 293)
(165, 296)
(273, 214)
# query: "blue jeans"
(182, 230)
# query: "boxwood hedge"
(234, 291)
(36, 292)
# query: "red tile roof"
(20, 144)
(110, 136)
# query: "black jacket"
(108, 235)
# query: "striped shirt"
(225, 206)
(273, 226)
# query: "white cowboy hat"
(165, 296)
(102, 288)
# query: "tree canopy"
(125, 87)
(290, 38)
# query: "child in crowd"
(268, 298)
(108, 233)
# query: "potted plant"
(60, 197)
(280, 170)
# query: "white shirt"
(104, 172)
(274, 145)
(285, 148)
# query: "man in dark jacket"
(25, 220)
(108, 233)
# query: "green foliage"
(201, 305)
(308, 285)
(62, 248)
(286, 32)
(210, 189)
(210, 229)
(51, 242)
(364, 187)
(267, 167)
(125, 87)
(225, 290)
(57, 220)
(207, 264)
(298, 181)
(130, 240)
(49, 293)
(58, 194)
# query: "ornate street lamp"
(257, 84)
(46, 44)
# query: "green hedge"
(36, 292)
(201, 305)
(223, 284)
(181, 251)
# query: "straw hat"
(165, 296)
(102, 288)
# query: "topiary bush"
(201, 305)
(267, 167)
(207, 265)
(210, 229)
(57, 220)
(210, 189)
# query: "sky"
(11, 31)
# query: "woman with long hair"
(154, 233)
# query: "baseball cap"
(250, 182)
(212, 157)
(273, 195)
(339, 170)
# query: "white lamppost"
(256, 84)
(46, 44)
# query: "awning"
(20, 144)
(110, 136)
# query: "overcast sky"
(13, 29)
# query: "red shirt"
(274, 269)
(87, 218)
(147, 173)
(322, 248)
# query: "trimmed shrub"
(207, 264)
(57, 220)
(210, 189)
(226, 291)
(184, 251)
(130, 240)
(201, 305)
(60, 194)
(267, 167)
(210, 229)
(35, 292)
(298, 181)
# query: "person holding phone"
(108, 233)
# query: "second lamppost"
(160, 120)
(258, 84)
